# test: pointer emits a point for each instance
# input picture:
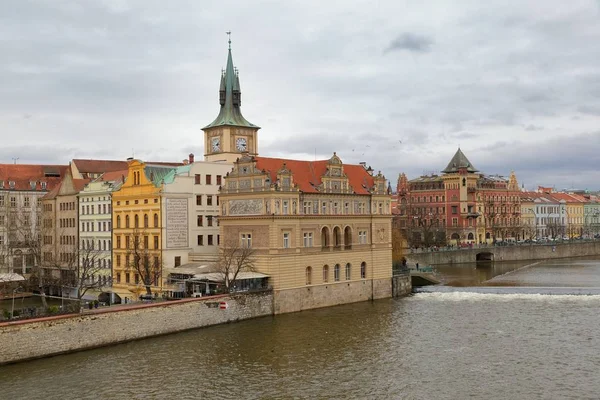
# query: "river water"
(490, 335)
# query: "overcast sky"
(398, 84)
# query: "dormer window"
(43, 184)
(1, 184)
(33, 184)
(11, 184)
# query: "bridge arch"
(484, 256)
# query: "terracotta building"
(458, 206)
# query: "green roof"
(459, 161)
(158, 173)
(230, 113)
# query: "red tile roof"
(307, 174)
(114, 176)
(23, 174)
(99, 166)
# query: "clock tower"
(230, 134)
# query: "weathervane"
(229, 41)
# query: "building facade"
(460, 206)
(320, 230)
(95, 226)
(21, 190)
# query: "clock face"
(240, 144)
(216, 144)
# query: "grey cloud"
(411, 42)
(533, 128)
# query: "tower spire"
(230, 96)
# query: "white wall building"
(190, 210)
(95, 224)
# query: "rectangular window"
(286, 240)
(209, 200)
(177, 261)
(126, 277)
(209, 240)
(324, 208)
(199, 200)
(199, 220)
(208, 179)
(197, 179)
(156, 242)
(454, 221)
(307, 207)
(26, 202)
(219, 180)
(308, 239)
(246, 240)
(362, 237)
(200, 240)
(146, 241)
(285, 207)
(118, 260)
(336, 273)
(209, 220)
(118, 242)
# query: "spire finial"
(229, 41)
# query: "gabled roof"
(307, 174)
(459, 161)
(114, 176)
(230, 113)
(99, 166)
(24, 174)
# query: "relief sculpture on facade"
(246, 207)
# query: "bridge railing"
(494, 246)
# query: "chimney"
(191, 158)
(364, 164)
(129, 158)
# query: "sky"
(397, 84)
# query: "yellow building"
(528, 217)
(137, 231)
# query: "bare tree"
(233, 259)
(86, 273)
(141, 260)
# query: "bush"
(53, 310)
(6, 314)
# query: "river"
(458, 341)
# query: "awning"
(122, 293)
(218, 277)
(11, 277)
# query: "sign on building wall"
(177, 223)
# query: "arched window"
(118, 221)
(325, 273)
(348, 271)
(337, 239)
(127, 221)
(363, 270)
(136, 220)
(145, 220)
(348, 237)
(325, 237)
(336, 272)
(156, 220)
(309, 275)
(471, 237)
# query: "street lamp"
(12, 310)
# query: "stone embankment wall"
(508, 253)
(24, 340)
(328, 295)
(401, 285)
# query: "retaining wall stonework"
(23, 340)
(332, 294)
(401, 285)
(508, 253)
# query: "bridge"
(504, 253)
